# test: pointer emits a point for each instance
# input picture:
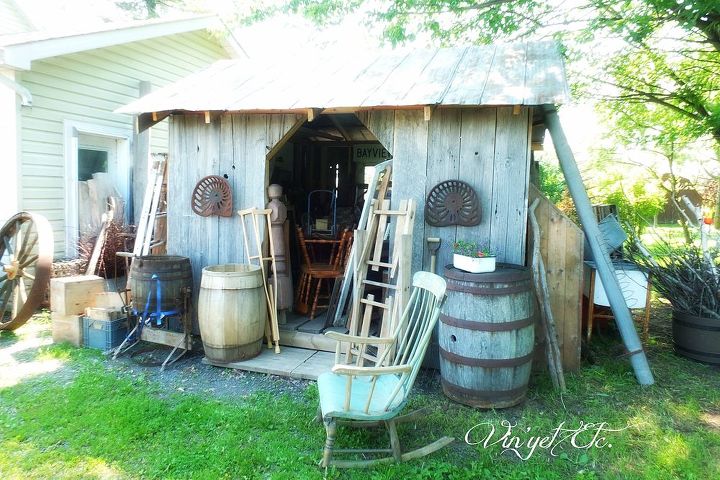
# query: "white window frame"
(72, 130)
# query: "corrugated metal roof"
(510, 74)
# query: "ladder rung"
(161, 214)
(390, 212)
(379, 264)
(374, 304)
(157, 244)
(378, 284)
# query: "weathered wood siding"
(86, 87)
(486, 147)
(234, 146)
(561, 247)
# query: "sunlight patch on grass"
(13, 370)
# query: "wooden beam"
(312, 113)
(281, 143)
(340, 128)
(517, 109)
(428, 111)
(207, 117)
(319, 133)
(147, 120)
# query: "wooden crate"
(104, 313)
(72, 295)
(67, 328)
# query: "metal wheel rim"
(26, 251)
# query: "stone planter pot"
(696, 337)
(474, 265)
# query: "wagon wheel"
(26, 249)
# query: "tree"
(664, 53)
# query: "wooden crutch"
(270, 290)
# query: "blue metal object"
(156, 318)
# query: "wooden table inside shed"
(290, 362)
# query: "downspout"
(24, 93)
(605, 268)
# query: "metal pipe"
(605, 268)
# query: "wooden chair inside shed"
(319, 272)
(366, 396)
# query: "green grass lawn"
(87, 420)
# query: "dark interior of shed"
(324, 169)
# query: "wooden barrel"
(232, 312)
(173, 272)
(487, 336)
(696, 337)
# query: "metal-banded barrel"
(487, 336)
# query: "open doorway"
(96, 168)
(324, 169)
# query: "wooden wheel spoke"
(23, 290)
(22, 240)
(28, 275)
(6, 298)
(27, 249)
(16, 299)
(29, 261)
(3, 277)
(8, 247)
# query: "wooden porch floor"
(302, 354)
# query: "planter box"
(696, 337)
(474, 265)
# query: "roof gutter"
(23, 93)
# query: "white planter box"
(474, 265)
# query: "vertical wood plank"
(410, 149)
(510, 183)
(443, 159)
(477, 163)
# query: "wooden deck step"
(290, 362)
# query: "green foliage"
(472, 249)
(552, 182)
(637, 200)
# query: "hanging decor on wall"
(212, 196)
(452, 202)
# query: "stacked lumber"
(69, 297)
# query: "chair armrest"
(343, 337)
(370, 371)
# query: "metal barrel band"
(491, 395)
(504, 273)
(486, 326)
(454, 286)
(486, 362)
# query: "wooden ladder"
(397, 270)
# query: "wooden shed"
(464, 113)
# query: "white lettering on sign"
(370, 153)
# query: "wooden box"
(108, 300)
(72, 295)
(67, 328)
(104, 313)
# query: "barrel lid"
(504, 272)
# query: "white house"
(58, 92)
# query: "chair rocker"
(367, 396)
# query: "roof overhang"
(20, 55)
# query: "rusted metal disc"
(212, 196)
(26, 251)
(452, 202)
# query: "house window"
(91, 161)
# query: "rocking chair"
(367, 396)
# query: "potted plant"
(688, 276)
(473, 258)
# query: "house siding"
(86, 87)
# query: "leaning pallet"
(257, 217)
(396, 271)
